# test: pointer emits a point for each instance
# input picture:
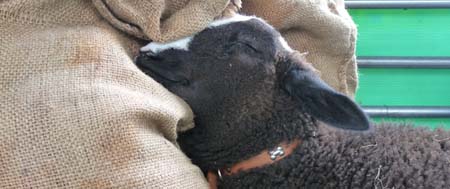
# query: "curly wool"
(394, 156)
(250, 93)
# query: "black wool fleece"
(249, 92)
(393, 156)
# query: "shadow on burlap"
(75, 112)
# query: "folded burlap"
(75, 112)
(321, 28)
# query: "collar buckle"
(278, 151)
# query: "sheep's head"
(247, 89)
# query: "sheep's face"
(247, 89)
(223, 70)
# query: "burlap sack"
(160, 20)
(75, 112)
(322, 28)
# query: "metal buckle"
(219, 173)
(278, 151)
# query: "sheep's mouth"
(265, 158)
(144, 62)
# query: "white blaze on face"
(183, 44)
(285, 44)
(155, 47)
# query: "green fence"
(404, 33)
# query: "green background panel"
(402, 32)
(404, 87)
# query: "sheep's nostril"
(156, 58)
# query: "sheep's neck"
(265, 158)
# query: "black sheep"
(250, 92)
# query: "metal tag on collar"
(219, 173)
(278, 151)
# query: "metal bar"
(404, 62)
(408, 111)
(381, 4)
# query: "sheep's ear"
(167, 67)
(323, 102)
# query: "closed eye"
(249, 46)
(241, 47)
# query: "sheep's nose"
(147, 53)
(150, 53)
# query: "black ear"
(323, 102)
(167, 67)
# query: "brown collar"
(266, 157)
